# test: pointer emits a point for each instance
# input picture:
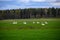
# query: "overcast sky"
(14, 4)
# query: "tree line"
(30, 13)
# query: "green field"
(30, 31)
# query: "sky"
(16, 4)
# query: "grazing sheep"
(33, 22)
(46, 22)
(38, 22)
(42, 24)
(14, 22)
(24, 23)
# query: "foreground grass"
(20, 31)
(30, 34)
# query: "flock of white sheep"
(42, 23)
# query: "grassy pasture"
(30, 31)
